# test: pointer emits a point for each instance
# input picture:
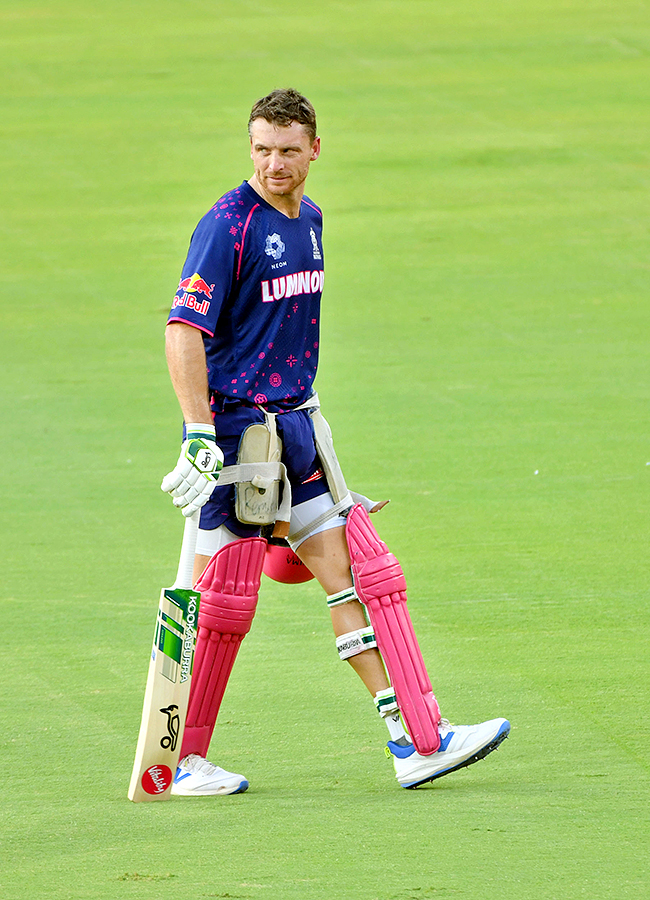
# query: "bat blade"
(166, 696)
(167, 693)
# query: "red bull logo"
(190, 287)
(196, 285)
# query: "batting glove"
(192, 481)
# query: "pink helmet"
(281, 564)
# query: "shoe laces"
(197, 764)
(444, 724)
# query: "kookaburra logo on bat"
(168, 742)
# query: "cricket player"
(242, 344)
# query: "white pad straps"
(386, 702)
(345, 596)
(355, 642)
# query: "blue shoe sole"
(500, 736)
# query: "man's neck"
(287, 204)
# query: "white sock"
(395, 727)
(386, 703)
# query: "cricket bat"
(168, 682)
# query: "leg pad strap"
(355, 642)
(345, 596)
(386, 703)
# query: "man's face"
(281, 156)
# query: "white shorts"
(209, 542)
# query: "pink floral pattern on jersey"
(289, 330)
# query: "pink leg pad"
(381, 586)
(229, 587)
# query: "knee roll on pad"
(355, 642)
(229, 589)
(381, 586)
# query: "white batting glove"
(192, 481)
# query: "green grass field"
(484, 175)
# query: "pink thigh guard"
(229, 587)
(381, 586)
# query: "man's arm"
(188, 370)
(194, 478)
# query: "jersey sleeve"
(208, 273)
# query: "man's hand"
(192, 481)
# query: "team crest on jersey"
(317, 253)
(274, 246)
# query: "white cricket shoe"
(460, 746)
(196, 777)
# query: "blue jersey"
(252, 283)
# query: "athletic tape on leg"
(381, 586)
(229, 588)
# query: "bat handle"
(184, 578)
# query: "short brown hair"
(282, 107)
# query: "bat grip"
(184, 578)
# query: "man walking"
(242, 348)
